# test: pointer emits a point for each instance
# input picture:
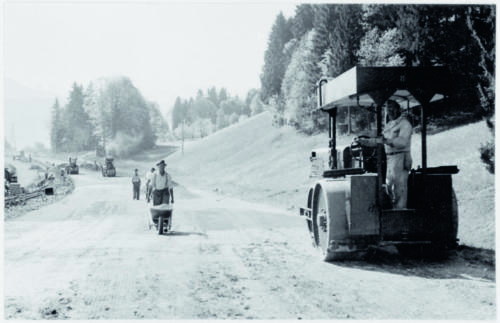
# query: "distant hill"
(27, 111)
(256, 161)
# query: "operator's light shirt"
(399, 132)
(162, 182)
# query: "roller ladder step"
(306, 212)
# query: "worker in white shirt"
(163, 189)
(397, 141)
(149, 184)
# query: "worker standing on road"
(149, 184)
(163, 192)
(397, 141)
(136, 184)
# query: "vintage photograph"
(248, 160)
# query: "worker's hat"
(162, 162)
(393, 103)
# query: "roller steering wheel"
(355, 148)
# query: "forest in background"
(211, 111)
(325, 40)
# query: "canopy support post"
(423, 116)
(332, 144)
(380, 97)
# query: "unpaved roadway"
(90, 256)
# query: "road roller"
(348, 207)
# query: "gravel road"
(91, 256)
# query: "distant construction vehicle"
(72, 168)
(20, 157)
(108, 169)
(12, 187)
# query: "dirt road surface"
(90, 256)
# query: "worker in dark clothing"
(136, 184)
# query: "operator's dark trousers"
(137, 190)
(161, 197)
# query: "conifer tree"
(274, 58)
(56, 127)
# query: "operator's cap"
(162, 162)
(393, 103)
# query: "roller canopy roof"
(409, 86)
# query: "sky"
(168, 49)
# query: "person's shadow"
(185, 233)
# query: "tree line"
(110, 116)
(325, 40)
(211, 111)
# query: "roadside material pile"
(37, 194)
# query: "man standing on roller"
(163, 188)
(397, 141)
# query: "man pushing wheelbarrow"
(163, 198)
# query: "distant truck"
(108, 169)
(72, 168)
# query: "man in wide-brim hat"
(163, 188)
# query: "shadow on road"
(180, 233)
(463, 263)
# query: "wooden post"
(349, 120)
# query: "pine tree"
(322, 20)
(274, 58)
(213, 96)
(77, 122)
(95, 114)
(302, 22)
(223, 96)
(177, 113)
(344, 38)
(56, 128)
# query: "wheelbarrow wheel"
(160, 225)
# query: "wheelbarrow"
(160, 216)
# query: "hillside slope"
(258, 162)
